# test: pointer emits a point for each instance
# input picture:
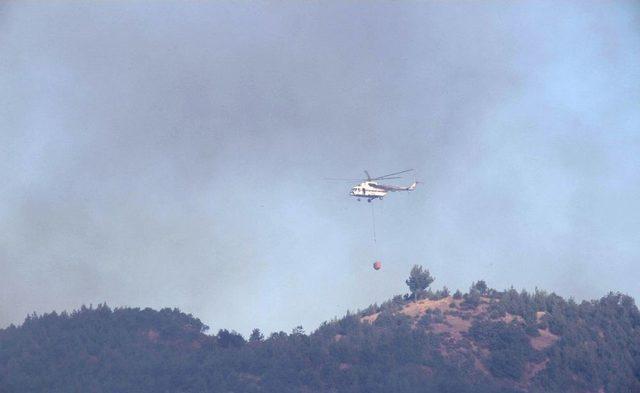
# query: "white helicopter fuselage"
(367, 189)
(371, 190)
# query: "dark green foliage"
(508, 344)
(532, 329)
(391, 305)
(600, 340)
(227, 339)
(134, 350)
(90, 349)
(431, 316)
(256, 336)
(496, 310)
(418, 281)
(439, 294)
(480, 286)
(471, 299)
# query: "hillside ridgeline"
(482, 341)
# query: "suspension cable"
(373, 220)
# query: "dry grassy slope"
(455, 327)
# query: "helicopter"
(370, 189)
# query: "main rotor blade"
(386, 178)
(368, 175)
(391, 174)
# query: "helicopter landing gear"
(358, 199)
(369, 200)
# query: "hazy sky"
(173, 154)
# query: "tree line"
(100, 349)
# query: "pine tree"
(418, 281)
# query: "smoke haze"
(173, 154)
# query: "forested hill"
(430, 341)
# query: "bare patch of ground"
(419, 308)
(531, 369)
(544, 340)
(453, 325)
(510, 318)
(480, 366)
(370, 318)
